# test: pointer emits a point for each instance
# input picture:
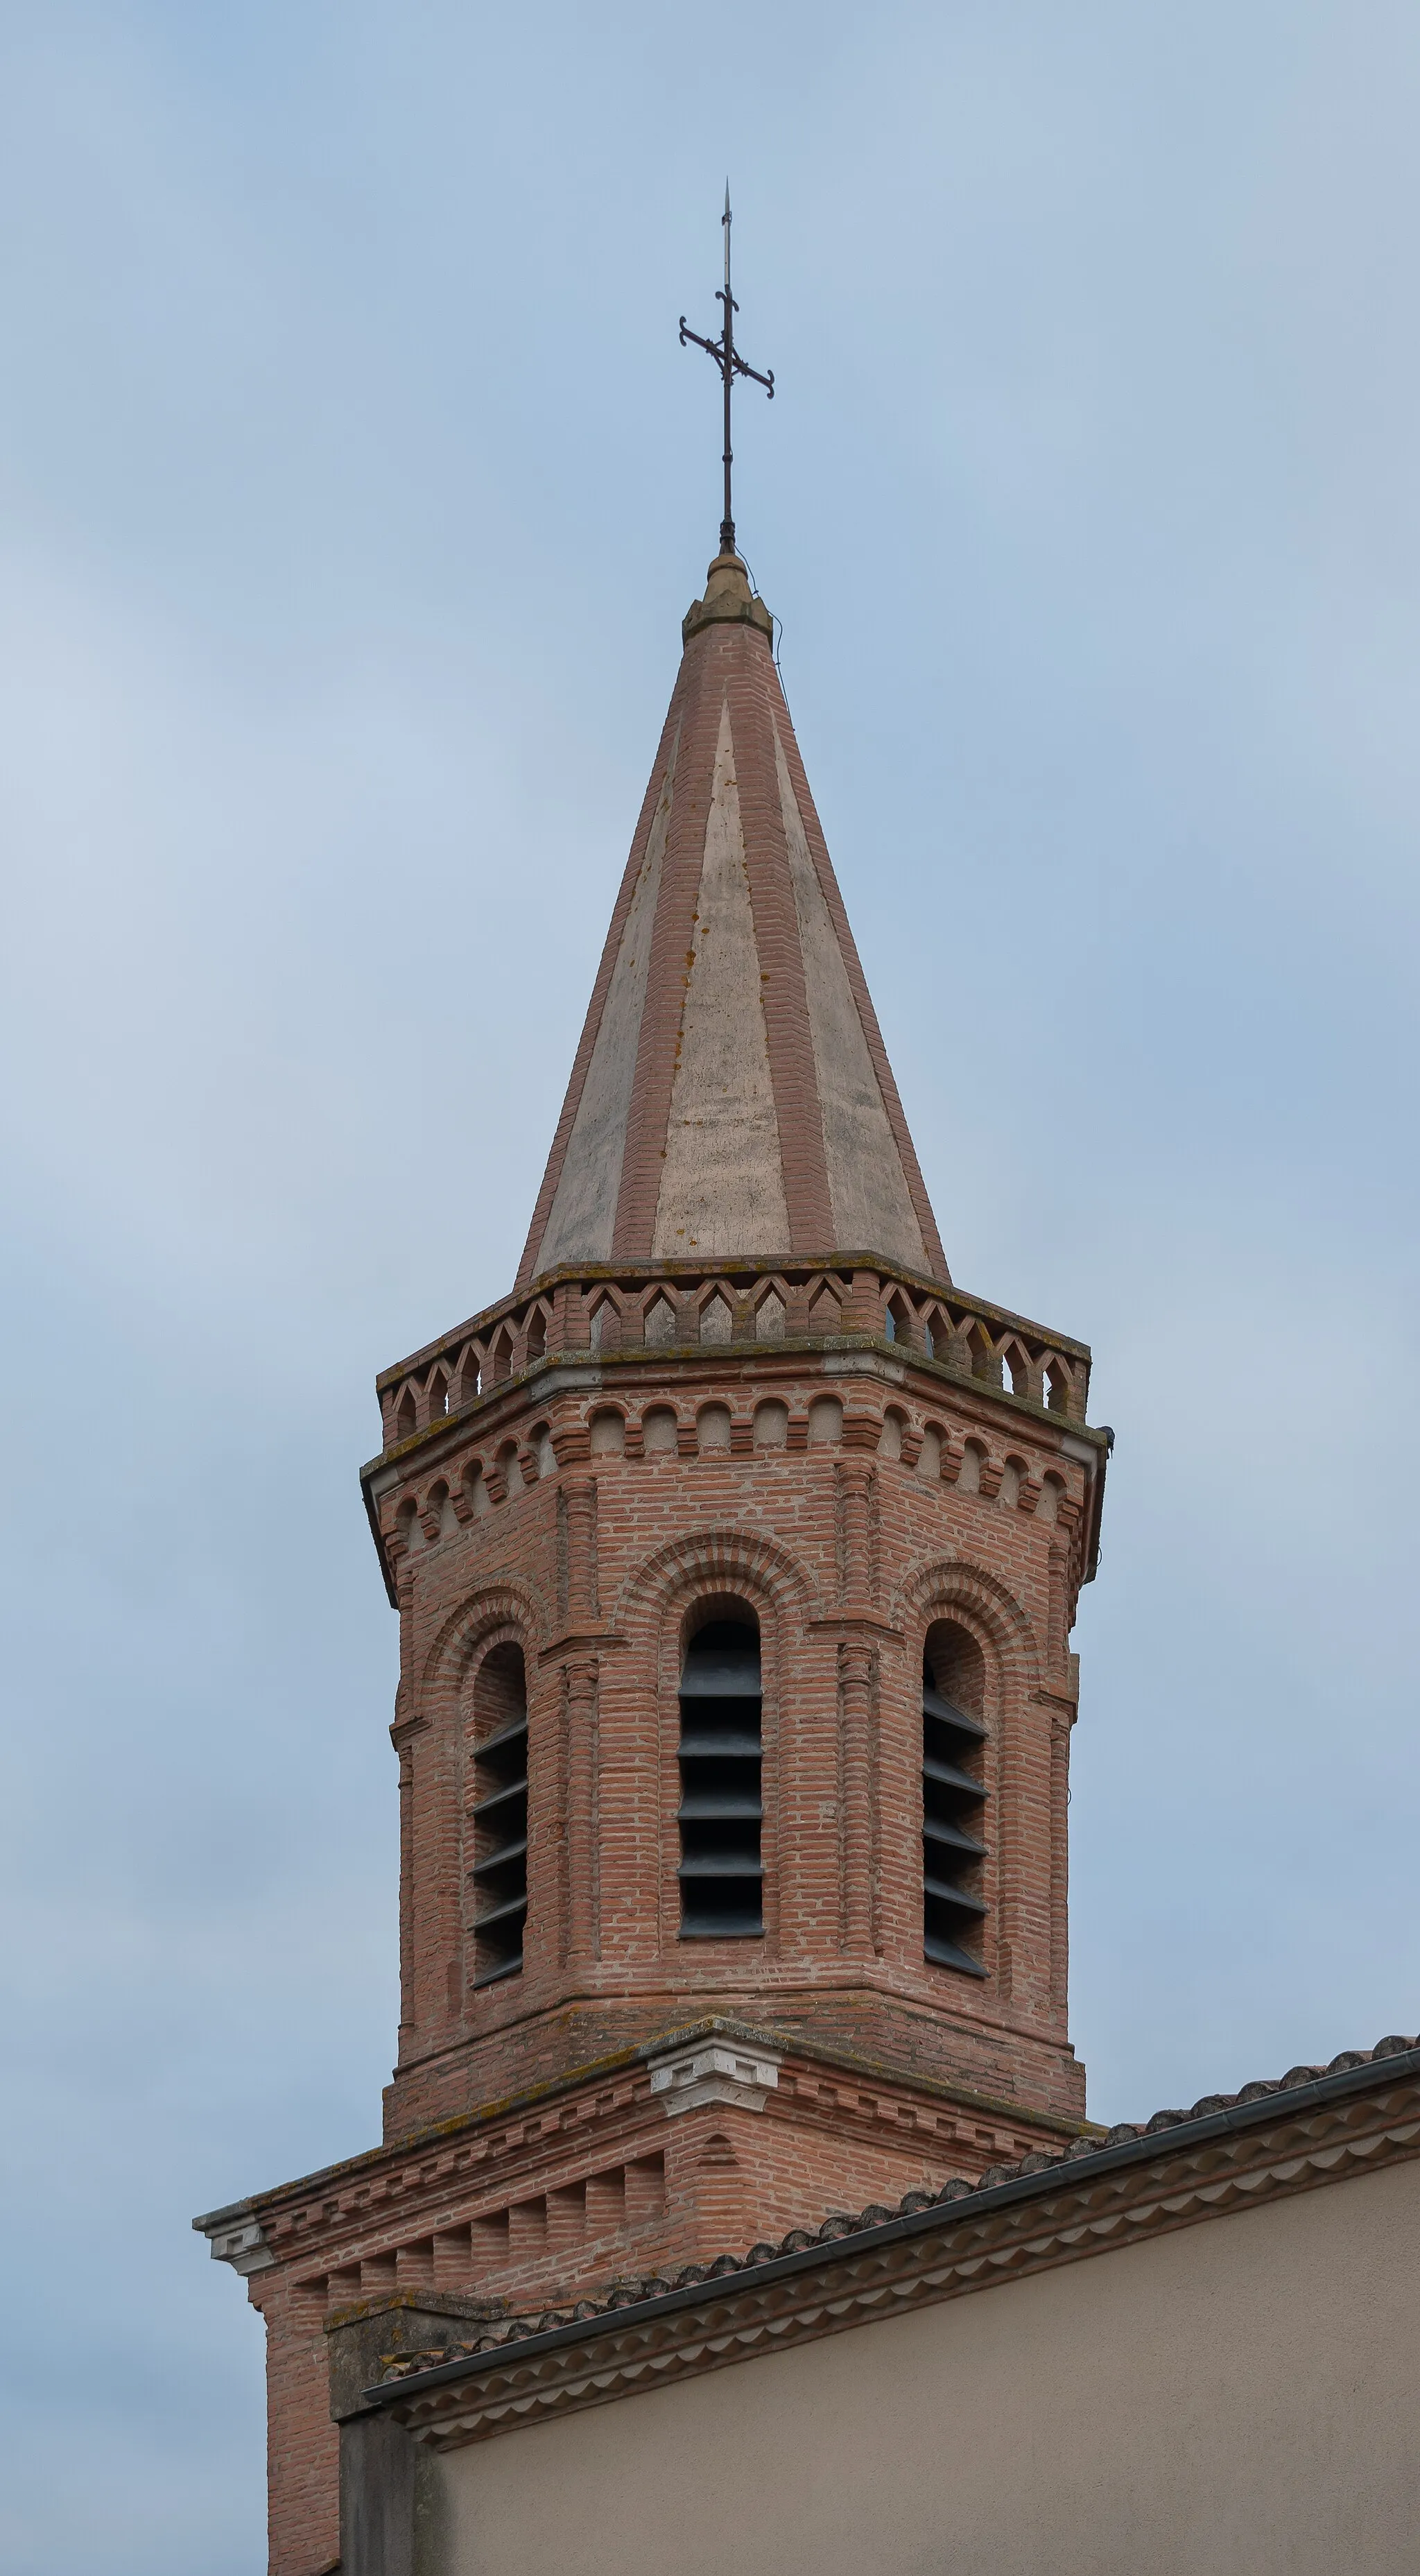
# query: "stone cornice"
(1235, 2159)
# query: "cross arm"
(741, 369)
(712, 346)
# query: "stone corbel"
(714, 2071)
(238, 2240)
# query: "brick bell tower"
(736, 1553)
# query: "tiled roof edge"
(1214, 2115)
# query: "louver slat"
(949, 1954)
(933, 1705)
(952, 1899)
(936, 1831)
(505, 1857)
(501, 1798)
(512, 1909)
(951, 1777)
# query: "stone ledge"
(714, 2070)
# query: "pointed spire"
(731, 1097)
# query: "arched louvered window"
(498, 1814)
(721, 1873)
(953, 1802)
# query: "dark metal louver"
(500, 1865)
(952, 1798)
(721, 1873)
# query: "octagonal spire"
(731, 1096)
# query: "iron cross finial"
(727, 358)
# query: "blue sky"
(352, 486)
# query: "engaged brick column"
(855, 1717)
(581, 1499)
(855, 1526)
(581, 1706)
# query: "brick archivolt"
(487, 1617)
(697, 1562)
(953, 1588)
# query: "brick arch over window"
(939, 1589)
(715, 1560)
(506, 1606)
(658, 1605)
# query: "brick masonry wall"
(850, 1500)
(560, 2197)
(847, 1551)
(302, 2444)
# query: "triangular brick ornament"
(731, 1097)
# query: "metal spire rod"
(727, 358)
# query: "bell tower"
(735, 1552)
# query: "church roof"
(731, 1096)
(1218, 2120)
